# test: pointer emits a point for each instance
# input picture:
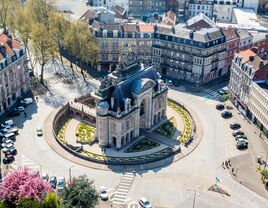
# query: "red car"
(8, 159)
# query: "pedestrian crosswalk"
(24, 161)
(69, 79)
(210, 94)
(123, 188)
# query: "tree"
(80, 193)
(29, 203)
(264, 174)
(44, 48)
(58, 27)
(8, 10)
(52, 200)
(23, 184)
(79, 43)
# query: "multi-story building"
(146, 8)
(249, 4)
(249, 88)
(195, 53)
(247, 68)
(129, 99)
(115, 40)
(223, 10)
(246, 40)
(200, 6)
(232, 42)
(258, 105)
(14, 75)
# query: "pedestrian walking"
(36, 98)
(229, 162)
(25, 114)
(226, 164)
(222, 164)
(233, 171)
(104, 150)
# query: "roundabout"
(72, 132)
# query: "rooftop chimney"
(251, 58)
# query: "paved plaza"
(175, 184)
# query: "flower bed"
(85, 132)
(129, 160)
(168, 128)
(187, 121)
(61, 134)
(142, 145)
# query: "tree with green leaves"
(8, 10)
(80, 43)
(29, 203)
(264, 174)
(52, 200)
(80, 193)
(44, 48)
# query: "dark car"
(226, 114)
(8, 159)
(235, 126)
(53, 181)
(11, 151)
(219, 106)
(13, 113)
(241, 145)
(235, 133)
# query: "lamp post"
(70, 173)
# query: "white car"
(144, 203)
(241, 140)
(7, 124)
(8, 146)
(61, 183)
(27, 101)
(103, 193)
(20, 109)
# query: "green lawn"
(168, 128)
(142, 145)
(85, 132)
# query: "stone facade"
(14, 74)
(129, 99)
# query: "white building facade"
(129, 99)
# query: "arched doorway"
(131, 135)
(127, 138)
(142, 107)
(122, 141)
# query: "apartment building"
(258, 105)
(247, 67)
(200, 6)
(223, 10)
(114, 40)
(14, 75)
(194, 53)
(232, 42)
(146, 8)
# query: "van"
(10, 135)
(7, 123)
(27, 101)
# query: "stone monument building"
(129, 99)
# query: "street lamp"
(195, 190)
(70, 173)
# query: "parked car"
(39, 131)
(14, 130)
(144, 203)
(8, 159)
(8, 144)
(241, 145)
(20, 109)
(61, 183)
(235, 133)
(241, 136)
(219, 106)
(223, 91)
(13, 113)
(27, 101)
(7, 123)
(10, 135)
(53, 181)
(103, 193)
(10, 151)
(241, 140)
(45, 177)
(226, 114)
(235, 126)
(170, 83)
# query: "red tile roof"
(146, 28)
(8, 45)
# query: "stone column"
(118, 143)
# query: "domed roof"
(103, 105)
(142, 84)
